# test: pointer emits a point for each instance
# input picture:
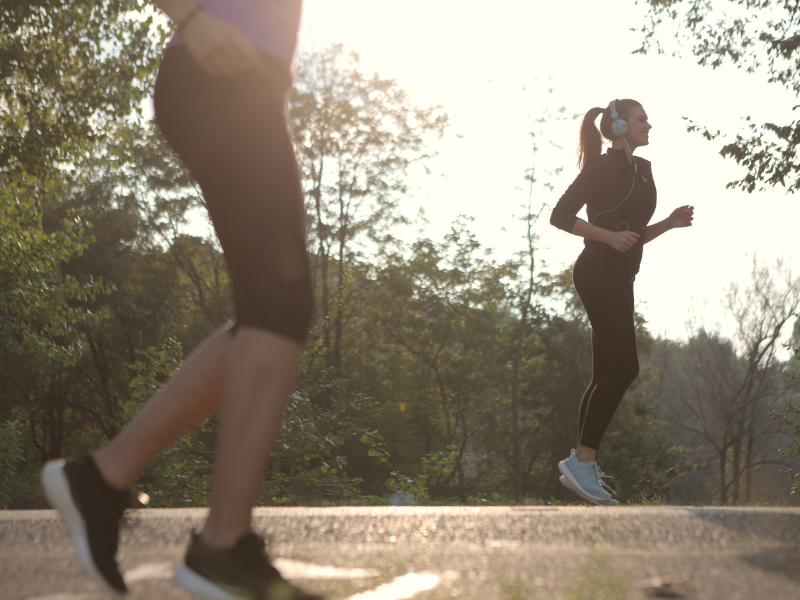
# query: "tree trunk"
(337, 345)
(449, 430)
(515, 429)
(326, 312)
(322, 239)
(736, 467)
(723, 487)
(445, 403)
(748, 465)
(526, 302)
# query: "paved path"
(490, 553)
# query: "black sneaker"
(91, 510)
(243, 572)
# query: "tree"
(443, 307)
(724, 390)
(40, 320)
(68, 70)
(791, 413)
(355, 138)
(69, 74)
(760, 36)
(529, 283)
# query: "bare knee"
(263, 352)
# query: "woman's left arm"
(680, 217)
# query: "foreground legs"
(248, 376)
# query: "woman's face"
(638, 128)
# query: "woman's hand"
(219, 48)
(622, 241)
(681, 216)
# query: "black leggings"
(230, 132)
(607, 296)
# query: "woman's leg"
(231, 133)
(259, 373)
(599, 370)
(608, 299)
(191, 395)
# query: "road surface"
(434, 553)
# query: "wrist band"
(180, 26)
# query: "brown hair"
(590, 143)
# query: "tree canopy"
(759, 36)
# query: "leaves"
(760, 36)
(67, 72)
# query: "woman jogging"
(620, 198)
(219, 100)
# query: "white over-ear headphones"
(618, 126)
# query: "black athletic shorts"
(230, 132)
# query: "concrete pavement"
(433, 553)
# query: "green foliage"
(152, 367)
(180, 476)
(758, 36)
(374, 440)
(36, 296)
(434, 467)
(791, 417)
(356, 138)
(12, 457)
(308, 463)
(68, 70)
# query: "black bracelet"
(180, 26)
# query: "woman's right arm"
(565, 214)
(220, 48)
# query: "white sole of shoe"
(56, 490)
(567, 484)
(200, 586)
(576, 487)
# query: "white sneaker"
(586, 479)
(566, 483)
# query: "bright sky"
(489, 65)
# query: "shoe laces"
(601, 476)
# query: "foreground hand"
(622, 241)
(220, 48)
(682, 216)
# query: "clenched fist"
(682, 216)
(622, 241)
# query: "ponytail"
(590, 144)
